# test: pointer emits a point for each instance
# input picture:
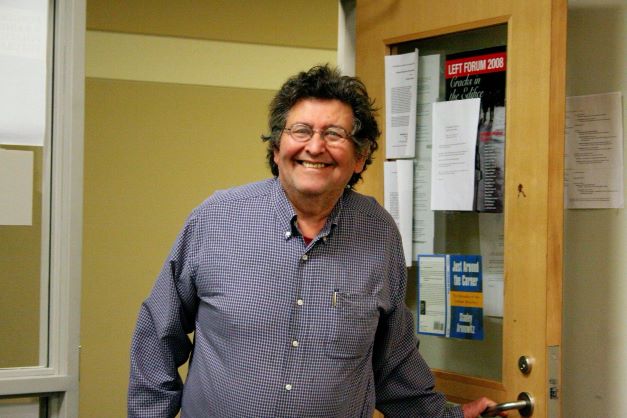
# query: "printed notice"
(432, 294)
(428, 79)
(401, 80)
(424, 136)
(593, 165)
(424, 217)
(492, 243)
(428, 93)
(398, 199)
(455, 130)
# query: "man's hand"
(475, 408)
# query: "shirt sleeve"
(160, 342)
(404, 382)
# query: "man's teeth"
(313, 165)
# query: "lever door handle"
(524, 404)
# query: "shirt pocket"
(353, 324)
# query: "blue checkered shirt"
(281, 328)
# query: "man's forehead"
(308, 104)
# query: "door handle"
(524, 404)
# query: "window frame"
(58, 379)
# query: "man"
(294, 286)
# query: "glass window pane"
(24, 407)
(24, 206)
(458, 233)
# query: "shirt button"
(288, 234)
(300, 302)
(305, 257)
(288, 387)
(324, 239)
(294, 343)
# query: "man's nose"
(316, 144)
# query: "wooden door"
(535, 32)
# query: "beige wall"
(20, 264)
(299, 23)
(595, 240)
(156, 147)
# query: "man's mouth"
(309, 164)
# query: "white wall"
(595, 279)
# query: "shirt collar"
(286, 215)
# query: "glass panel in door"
(460, 232)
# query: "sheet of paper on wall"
(453, 154)
(492, 244)
(424, 217)
(16, 187)
(398, 199)
(428, 79)
(424, 136)
(593, 160)
(432, 294)
(401, 79)
(428, 93)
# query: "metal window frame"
(58, 379)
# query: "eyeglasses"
(333, 135)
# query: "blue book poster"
(465, 297)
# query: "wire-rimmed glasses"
(333, 135)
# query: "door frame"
(534, 174)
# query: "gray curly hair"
(324, 82)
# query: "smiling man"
(315, 165)
(294, 287)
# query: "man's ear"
(275, 152)
(362, 157)
(360, 164)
